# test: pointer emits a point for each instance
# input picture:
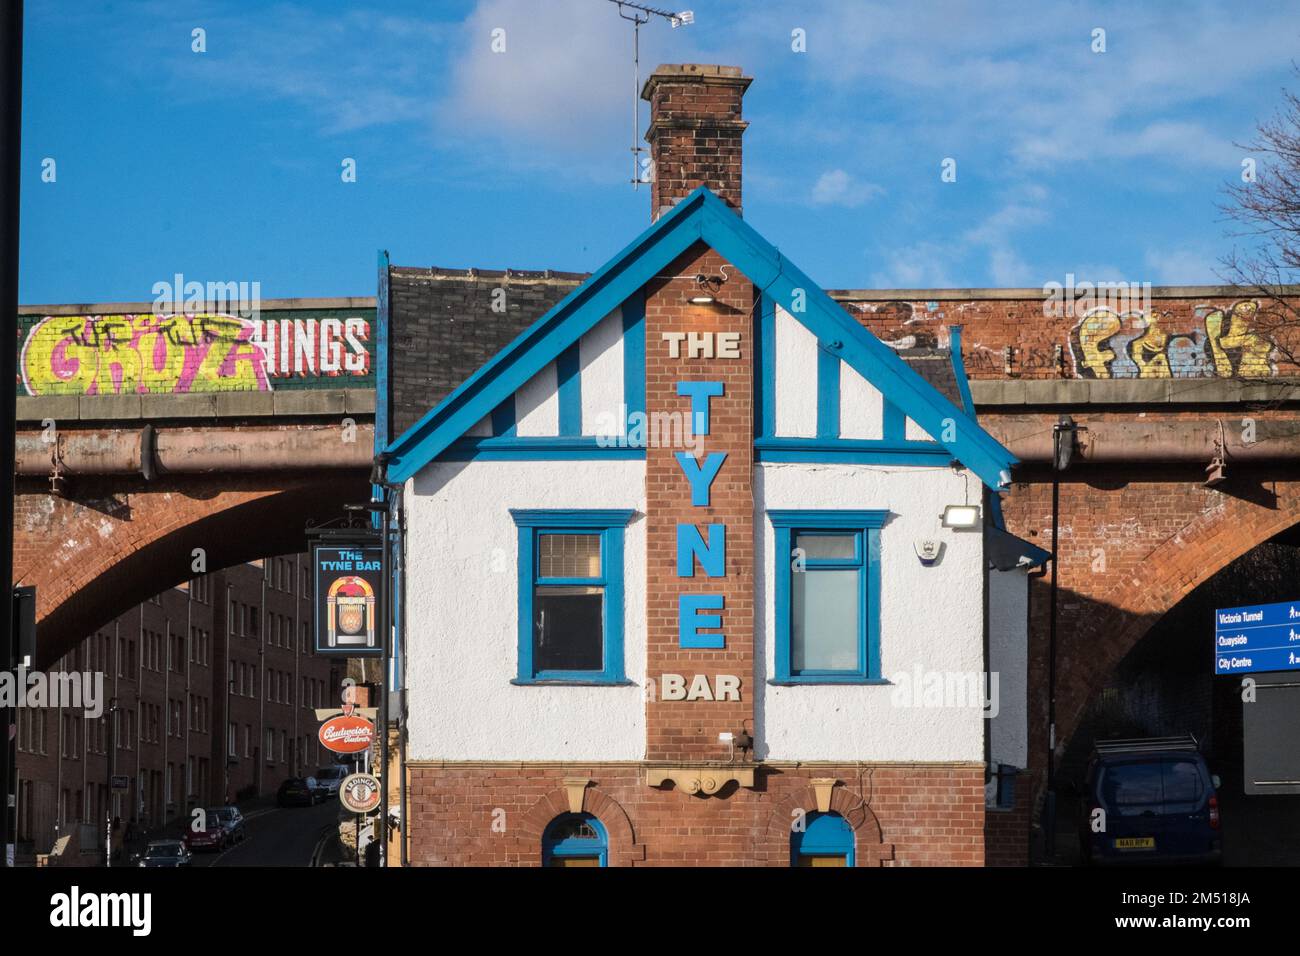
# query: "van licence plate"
(1135, 843)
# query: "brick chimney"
(695, 131)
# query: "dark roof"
(935, 366)
(444, 327)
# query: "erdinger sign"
(706, 547)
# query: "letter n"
(691, 546)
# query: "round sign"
(347, 735)
(359, 792)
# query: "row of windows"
(827, 593)
(279, 575)
(275, 745)
(579, 839)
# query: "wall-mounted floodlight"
(961, 516)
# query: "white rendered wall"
(931, 620)
(537, 406)
(914, 432)
(862, 407)
(600, 357)
(796, 378)
(462, 609)
(1008, 656)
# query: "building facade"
(209, 694)
(697, 571)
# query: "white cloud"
(837, 188)
(1182, 266)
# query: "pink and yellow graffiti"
(142, 354)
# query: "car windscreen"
(1152, 783)
(1132, 784)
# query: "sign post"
(1261, 637)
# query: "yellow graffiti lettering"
(142, 354)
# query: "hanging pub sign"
(348, 592)
(347, 734)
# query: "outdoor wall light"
(961, 516)
(706, 289)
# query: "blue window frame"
(826, 840)
(827, 596)
(575, 839)
(571, 596)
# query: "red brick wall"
(1134, 542)
(1006, 832)
(1045, 346)
(683, 730)
(494, 815)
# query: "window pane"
(824, 620)
(569, 556)
(827, 545)
(568, 628)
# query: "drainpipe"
(1062, 453)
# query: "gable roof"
(700, 216)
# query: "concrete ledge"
(244, 404)
(324, 402)
(108, 406)
(303, 402)
(194, 405)
(32, 408)
(990, 393)
(359, 402)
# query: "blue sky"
(225, 165)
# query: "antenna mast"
(639, 15)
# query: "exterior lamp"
(706, 289)
(961, 516)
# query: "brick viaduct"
(143, 480)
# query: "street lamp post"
(1063, 433)
(112, 769)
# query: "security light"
(702, 299)
(961, 516)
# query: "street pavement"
(280, 836)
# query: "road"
(280, 837)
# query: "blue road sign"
(1263, 637)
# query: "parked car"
(1159, 799)
(329, 779)
(212, 837)
(298, 791)
(166, 853)
(232, 821)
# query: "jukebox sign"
(349, 615)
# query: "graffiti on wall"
(1107, 344)
(180, 354)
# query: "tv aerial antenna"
(638, 14)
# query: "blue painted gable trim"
(634, 356)
(699, 216)
(765, 369)
(959, 370)
(828, 393)
(568, 377)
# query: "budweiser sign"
(347, 735)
